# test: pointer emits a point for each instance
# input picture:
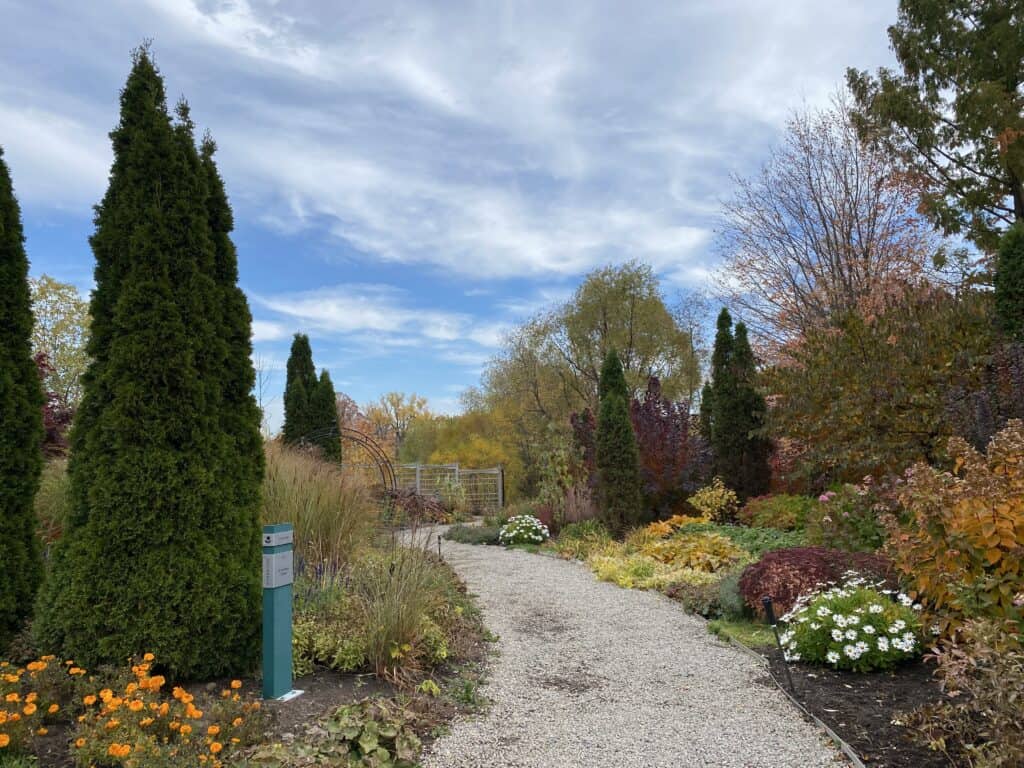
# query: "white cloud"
(265, 330)
(379, 315)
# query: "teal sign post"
(277, 612)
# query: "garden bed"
(864, 708)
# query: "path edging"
(845, 748)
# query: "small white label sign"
(277, 570)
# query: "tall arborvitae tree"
(1009, 283)
(323, 412)
(753, 472)
(734, 418)
(156, 555)
(618, 459)
(300, 385)
(21, 423)
(239, 413)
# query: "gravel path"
(593, 675)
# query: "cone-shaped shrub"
(618, 460)
(300, 385)
(159, 553)
(324, 417)
(21, 423)
(733, 413)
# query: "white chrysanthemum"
(883, 643)
(832, 657)
(876, 608)
(837, 635)
(868, 629)
(851, 634)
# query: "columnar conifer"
(323, 411)
(160, 551)
(734, 415)
(300, 384)
(618, 461)
(21, 423)
(1009, 283)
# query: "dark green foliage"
(756, 541)
(1009, 284)
(21, 423)
(706, 407)
(323, 415)
(953, 115)
(734, 416)
(300, 385)
(618, 459)
(161, 549)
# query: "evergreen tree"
(618, 460)
(1009, 283)
(323, 410)
(21, 423)
(736, 412)
(157, 553)
(706, 407)
(753, 472)
(300, 385)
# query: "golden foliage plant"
(962, 549)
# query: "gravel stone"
(589, 674)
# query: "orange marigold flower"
(236, 684)
(12, 697)
(174, 725)
(119, 750)
(148, 657)
(213, 730)
(156, 682)
(29, 710)
(178, 692)
(79, 742)
(164, 708)
(146, 721)
(89, 700)
(112, 723)
(4, 740)
(216, 747)
(31, 697)
(53, 709)
(41, 732)
(135, 705)
(106, 694)
(186, 729)
(76, 671)
(235, 740)
(237, 722)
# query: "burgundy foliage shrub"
(57, 414)
(417, 507)
(980, 406)
(785, 574)
(662, 429)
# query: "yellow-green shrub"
(716, 502)
(708, 552)
(636, 571)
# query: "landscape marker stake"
(439, 547)
(278, 575)
(769, 612)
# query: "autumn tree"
(953, 114)
(60, 332)
(871, 394)
(21, 423)
(662, 429)
(826, 227)
(393, 414)
(549, 367)
(617, 458)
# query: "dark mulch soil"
(861, 708)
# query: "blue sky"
(410, 179)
